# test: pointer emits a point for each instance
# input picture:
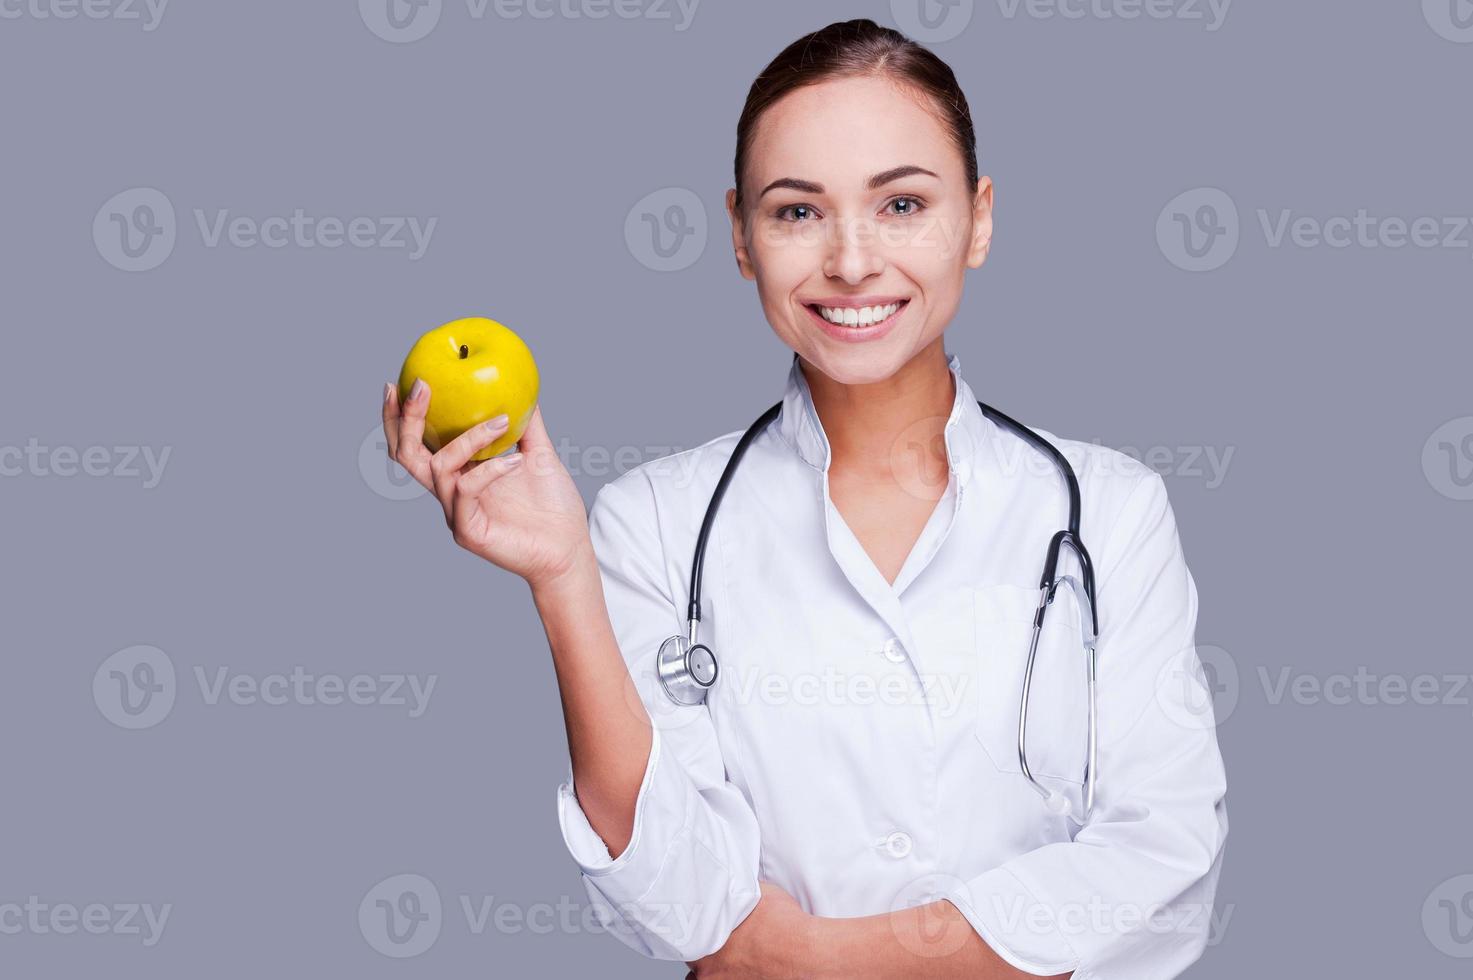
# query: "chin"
(855, 366)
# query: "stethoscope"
(688, 669)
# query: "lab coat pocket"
(1058, 706)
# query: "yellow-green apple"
(477, 369)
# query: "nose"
(853, 253)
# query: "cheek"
(940, 245)
(780, 270)
(782, 258)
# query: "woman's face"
(855, 198)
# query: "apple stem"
(464, 351)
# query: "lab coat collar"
(966, 431)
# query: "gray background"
(1326, 546)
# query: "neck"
(866, 423)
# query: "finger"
(449, 462)
(391, 419)
(459, 450)
(468, 487)
(534, 436)
(470, 484)
(411, 452)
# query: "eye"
(792, 208)
(917, 205)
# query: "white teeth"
(862, 317)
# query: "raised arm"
(667, 847)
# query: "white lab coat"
(859, 747)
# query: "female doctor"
(848, 799)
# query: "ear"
(981, 223)
(739, 237)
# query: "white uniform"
(859, 748)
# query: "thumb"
(535, 436)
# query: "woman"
(848, 800)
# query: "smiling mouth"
(858, 317)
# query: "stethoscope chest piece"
(686, 672)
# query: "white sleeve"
(689, 874)
(1131, 895)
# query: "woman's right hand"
(520, 511)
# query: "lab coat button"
(892, 651)
(898, 844)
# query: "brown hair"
(859, 47)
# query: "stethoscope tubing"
(675, 656)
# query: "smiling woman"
(815, 807)
(856, 163)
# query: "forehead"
(841, 131)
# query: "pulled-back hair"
(857, 48)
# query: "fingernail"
(496, 424)
(416, 390)
(512, 459)
(388, 392)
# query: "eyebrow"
(878, 180)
